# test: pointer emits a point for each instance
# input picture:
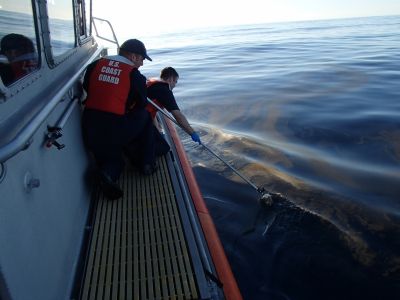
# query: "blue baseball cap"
(135, 46)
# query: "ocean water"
(310, 110)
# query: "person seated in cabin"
(18, 57)
(6, 74)
(159, 90)
(114, 117)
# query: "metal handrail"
(112, 30)
(23, 139)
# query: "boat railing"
(114, 41)
(23, 138)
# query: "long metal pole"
(265, 195)
(232, 168)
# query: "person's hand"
(195, 137)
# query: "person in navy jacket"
(115, 119)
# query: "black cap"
(135, 46)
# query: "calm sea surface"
(310, 110)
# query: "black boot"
(110, 188)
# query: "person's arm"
(183, 122)
(86, 79)
(138, 94)
(165, 96)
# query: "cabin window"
(88, 16)
(18, 41)
(61, 23)
(81, 19)
(84, 18)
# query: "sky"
(137, 18)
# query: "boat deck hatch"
(137, 247)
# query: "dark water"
(310, 110)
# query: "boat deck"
(140, 246)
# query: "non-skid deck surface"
(137, 248)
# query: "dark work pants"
(107, 135)
(161, 148)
